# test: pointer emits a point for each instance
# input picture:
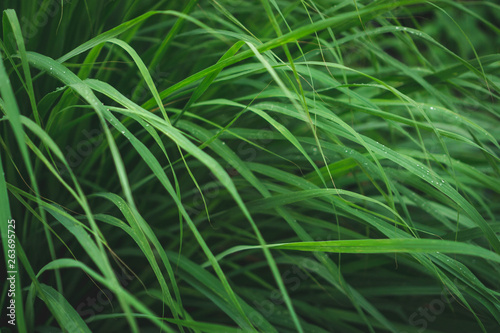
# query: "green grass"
(251, 166)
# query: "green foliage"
(251, 166)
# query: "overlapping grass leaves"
(308, 130)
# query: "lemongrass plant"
(250, 166)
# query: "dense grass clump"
(251, 166)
